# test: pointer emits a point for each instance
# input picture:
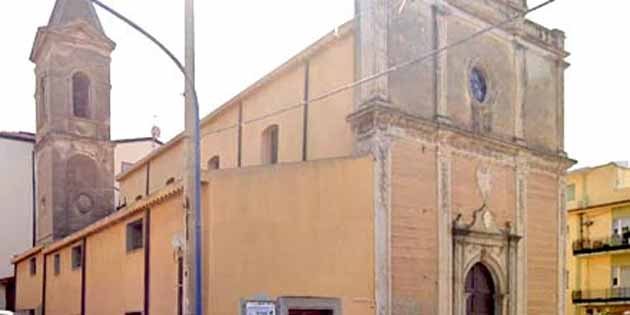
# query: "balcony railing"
(611, 243)
(606, 295)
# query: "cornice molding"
(381, 118)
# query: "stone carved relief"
(483, 241)
(379, 118)
(484, 182)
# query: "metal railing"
(610, 243)
(605, 295)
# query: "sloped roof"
(66, 11)
(19, 136)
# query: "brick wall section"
(414, 229)
(542, 245)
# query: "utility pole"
(192, 183)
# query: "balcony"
(612, 243)
(601, 296)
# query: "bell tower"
(73, 151)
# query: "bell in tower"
(73, 151)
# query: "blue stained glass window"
(478, 85)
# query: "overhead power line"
(429, 55)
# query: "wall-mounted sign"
(260, 308)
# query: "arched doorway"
(480, 291)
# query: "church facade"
(434, 189)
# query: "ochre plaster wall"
(29, 287)
(169, 164)
(220, 137)
(134, 185)
(331, 68)
(167, 221)
(284, 91)
(291, 230)
(114, 277)
(597, 273)
(63, 291)
(598, 186)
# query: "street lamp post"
(192, 182)
(192, 185)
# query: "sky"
(238, 42)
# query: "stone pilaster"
(372, 58)
(379, 146)
(560, 68)
(522, 172)
(445, 238)
(520, 65)
(440, 39)
(372, 50)
(562, 245)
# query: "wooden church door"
(480, 291)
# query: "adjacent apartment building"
(434, 189)
(17, 226)
(598, 201)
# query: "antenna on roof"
(156, 132)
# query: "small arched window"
(270, 145)
(214, 163)
(80, 94)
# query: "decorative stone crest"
(482, 241)
(484, 182)
(483, 222)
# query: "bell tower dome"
(73, 151)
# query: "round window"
(84, 203)
(478, 85)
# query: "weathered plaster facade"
(73, 151)
(515, 133)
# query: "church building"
(437, 188)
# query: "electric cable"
(395, 68)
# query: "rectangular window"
(33, 266)
(77, 257)
(620, 276)
(135, 235)
(616, 275)
(57, 264)
(571, 192)
(621, 226)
